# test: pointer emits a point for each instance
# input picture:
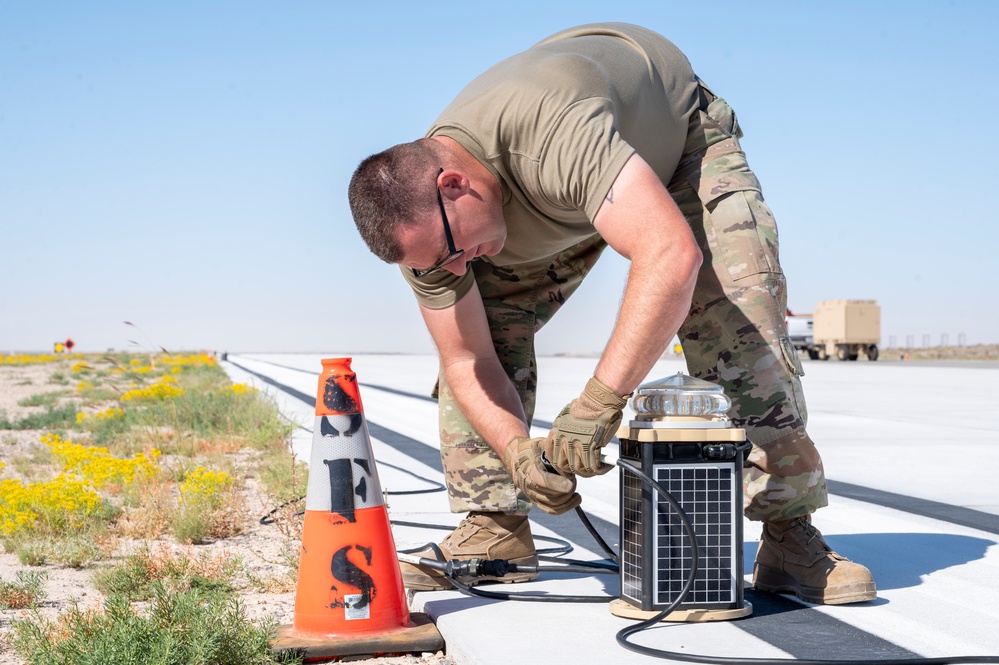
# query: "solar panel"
(656, 553)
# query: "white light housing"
(680, 395)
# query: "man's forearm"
(641, 221)
(488, 399)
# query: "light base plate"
(624, 609)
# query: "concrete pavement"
(911, 452)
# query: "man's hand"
(583, 427)
(551, 492)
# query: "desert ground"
(263, 548)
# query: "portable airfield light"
(683, 440)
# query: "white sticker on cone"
(356, 606)
(342, 473)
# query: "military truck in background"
(845, 329)
(799, 329)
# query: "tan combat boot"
(478, 536)
(794, 558)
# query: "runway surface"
(911, 452)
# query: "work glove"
(551, 492)
(583, 427)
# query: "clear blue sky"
(183, 165)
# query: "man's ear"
(453, 184)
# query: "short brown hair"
(390, 189)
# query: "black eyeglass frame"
(452, 252)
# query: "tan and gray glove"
(583, 427)
(549, 491)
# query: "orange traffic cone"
(350, 599)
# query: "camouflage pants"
(734, 334)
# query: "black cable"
(266, 519)
(574, 566)
(499, 567)
(564, 546)
(437, 487)
(526, 596)
(596, 536)
(596, 566)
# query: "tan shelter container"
(847, 328)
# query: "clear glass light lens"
(680, 395)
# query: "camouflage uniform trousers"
(734, 335)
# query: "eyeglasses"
(452, 253)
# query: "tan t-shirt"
(556, 124)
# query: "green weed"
(221, 412)
(37, 463)
(48, 400)
(191, 626)
(29, 551)
(54, 418)
(284, 476)
(94, 393)
(138, 574)
(211, 507)
(58, 378)
(106, 431)
(23, 593)
(75, 550)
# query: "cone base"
(420, 637)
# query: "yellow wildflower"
(203, 485)
(188, 360)
(111, 413)
(96, 465)
(165, 388)
(62, 502)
